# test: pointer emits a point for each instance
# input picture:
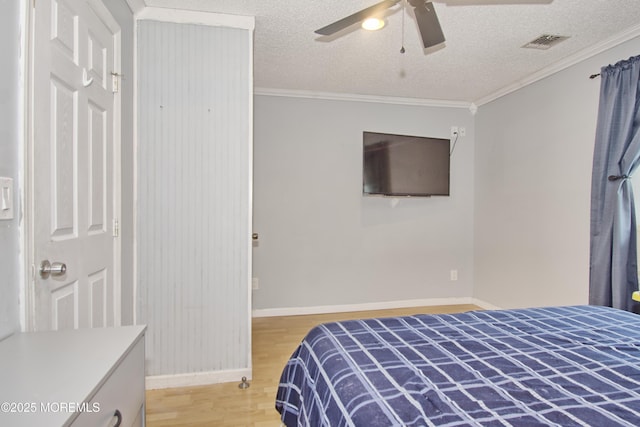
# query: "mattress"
(566, 366)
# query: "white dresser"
(84, 377)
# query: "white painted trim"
(485, 305)
(362, 98)
(300, 311)
(567, 62)
(29, 310)
(134, 141)
(117, 178)
(181, 16)
(249, 285)
(136, 6)
(26, 159)
(195, 379)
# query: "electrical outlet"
(454, 131)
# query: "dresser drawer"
(123, 391)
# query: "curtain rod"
(593, 76)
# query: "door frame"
(27, 256)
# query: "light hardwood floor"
(274, 339)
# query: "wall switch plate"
(255, 284)
(453, 275)
(6, 198)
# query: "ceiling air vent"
(545, 41)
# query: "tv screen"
(401, 165)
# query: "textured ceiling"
(481, 58)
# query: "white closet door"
(194, 196)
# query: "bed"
(567, 366)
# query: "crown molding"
(567, 62)
(183, 16)
(361, 98)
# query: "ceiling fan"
(425, 14)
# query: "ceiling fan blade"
(356, 17)
(428, 23)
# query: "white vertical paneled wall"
(194, 197)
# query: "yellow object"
(372, 24)
(636, 296)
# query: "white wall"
(10, 130)
(323, 243)
(534, 151)
(193, 218)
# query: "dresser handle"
(118, 416)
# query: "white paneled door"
(74, 172)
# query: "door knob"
(48, 269)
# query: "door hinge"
(116, 227)
(115, 82)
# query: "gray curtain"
(613, 274)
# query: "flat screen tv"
(402, 165)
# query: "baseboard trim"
(323, 309)
(154, 382)
(485, 305)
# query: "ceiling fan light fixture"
(373, 24)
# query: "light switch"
(6, 198)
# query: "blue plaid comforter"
(566, 366)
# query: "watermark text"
(48, 407)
